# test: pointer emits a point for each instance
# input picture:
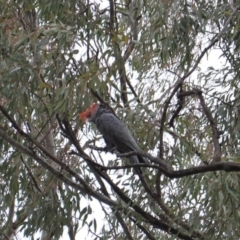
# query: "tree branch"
(181, 80)
(213, 124)
(212, 121)
(31, 175)
(218, 166)
(162, 163)
(142, 228)
(119, 59)
(157, 223)
(134, 30)
(83, 186)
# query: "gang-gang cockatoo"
(115, 132)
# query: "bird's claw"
(111, 150)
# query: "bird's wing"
(116, 132)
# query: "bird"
(115, 133)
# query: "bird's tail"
(135, 160)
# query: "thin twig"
(180, 103)
(144, 230)
(181, 80)
(31, 175)
(134, 29)
(119, 59)
(132, 90)
(213, 124)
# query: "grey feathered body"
(116, 133)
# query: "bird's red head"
(89, 112)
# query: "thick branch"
(167, 169)
(162, 163)
(84, 187)
(152, 220)
(69, 133)
(218, 166)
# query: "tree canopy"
(147, 60)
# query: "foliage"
(149, 61)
